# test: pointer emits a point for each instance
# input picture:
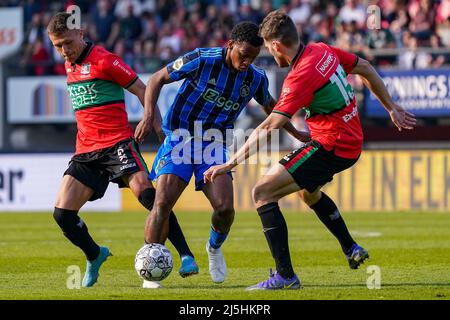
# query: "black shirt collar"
(298, 55)
(85, 53)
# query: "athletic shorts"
(312, 166)
(188, 157)
(97, 168)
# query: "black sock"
(329, 214)
(77, 232)
(176, 236)
(276, 232)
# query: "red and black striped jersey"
(95, 83)
(318, 83)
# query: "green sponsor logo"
(83, 94)
(94, 93)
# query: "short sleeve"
(262, 95)
(346, 59)
(185, 66)
(118, 71)
(297, 93)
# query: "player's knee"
(260, 193)
(308, 197)
(162, 209)
(65, 218)
(139, 182)
(224, 210)
(147, 198)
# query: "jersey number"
(339, 78)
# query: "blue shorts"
(190, 156)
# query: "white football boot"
(217, 266)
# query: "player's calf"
(222, 218)
(175, 236)
(147, 198)
(76, 231)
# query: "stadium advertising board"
(380, 181)
(45, 99)
(11, 32)
(426, 93)
(30, 182)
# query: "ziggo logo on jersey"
(213, 96)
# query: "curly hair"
(277, 25)
(247, 32)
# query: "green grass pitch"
(411, 249)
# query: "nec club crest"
(85, 68)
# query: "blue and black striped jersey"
(212, 93)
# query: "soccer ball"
(153, 262)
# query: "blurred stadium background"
(402, 179)
(398, 170)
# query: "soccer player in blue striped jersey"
(218, 84)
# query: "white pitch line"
(366, 234)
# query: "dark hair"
(247, 32)
(58, 23)
(277, 25)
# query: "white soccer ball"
(153, 262)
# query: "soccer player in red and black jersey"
(106, 150)
(317, 82)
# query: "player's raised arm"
(289, 127)
(258, 137)
(185, 66)
(151, 111)
(265, 99)
(138, 89)
(399, 116)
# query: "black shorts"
(312, 166)
(97, 168)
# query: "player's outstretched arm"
(303, 136)
(259, 137)
(399, 116)
(154, 85)
(138, 89)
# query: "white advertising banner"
(38, 100)
(11, 32)
(30, 182)
(45, 99)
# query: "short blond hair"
(277, 25)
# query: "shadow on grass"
(360, 285)
(213, 287)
